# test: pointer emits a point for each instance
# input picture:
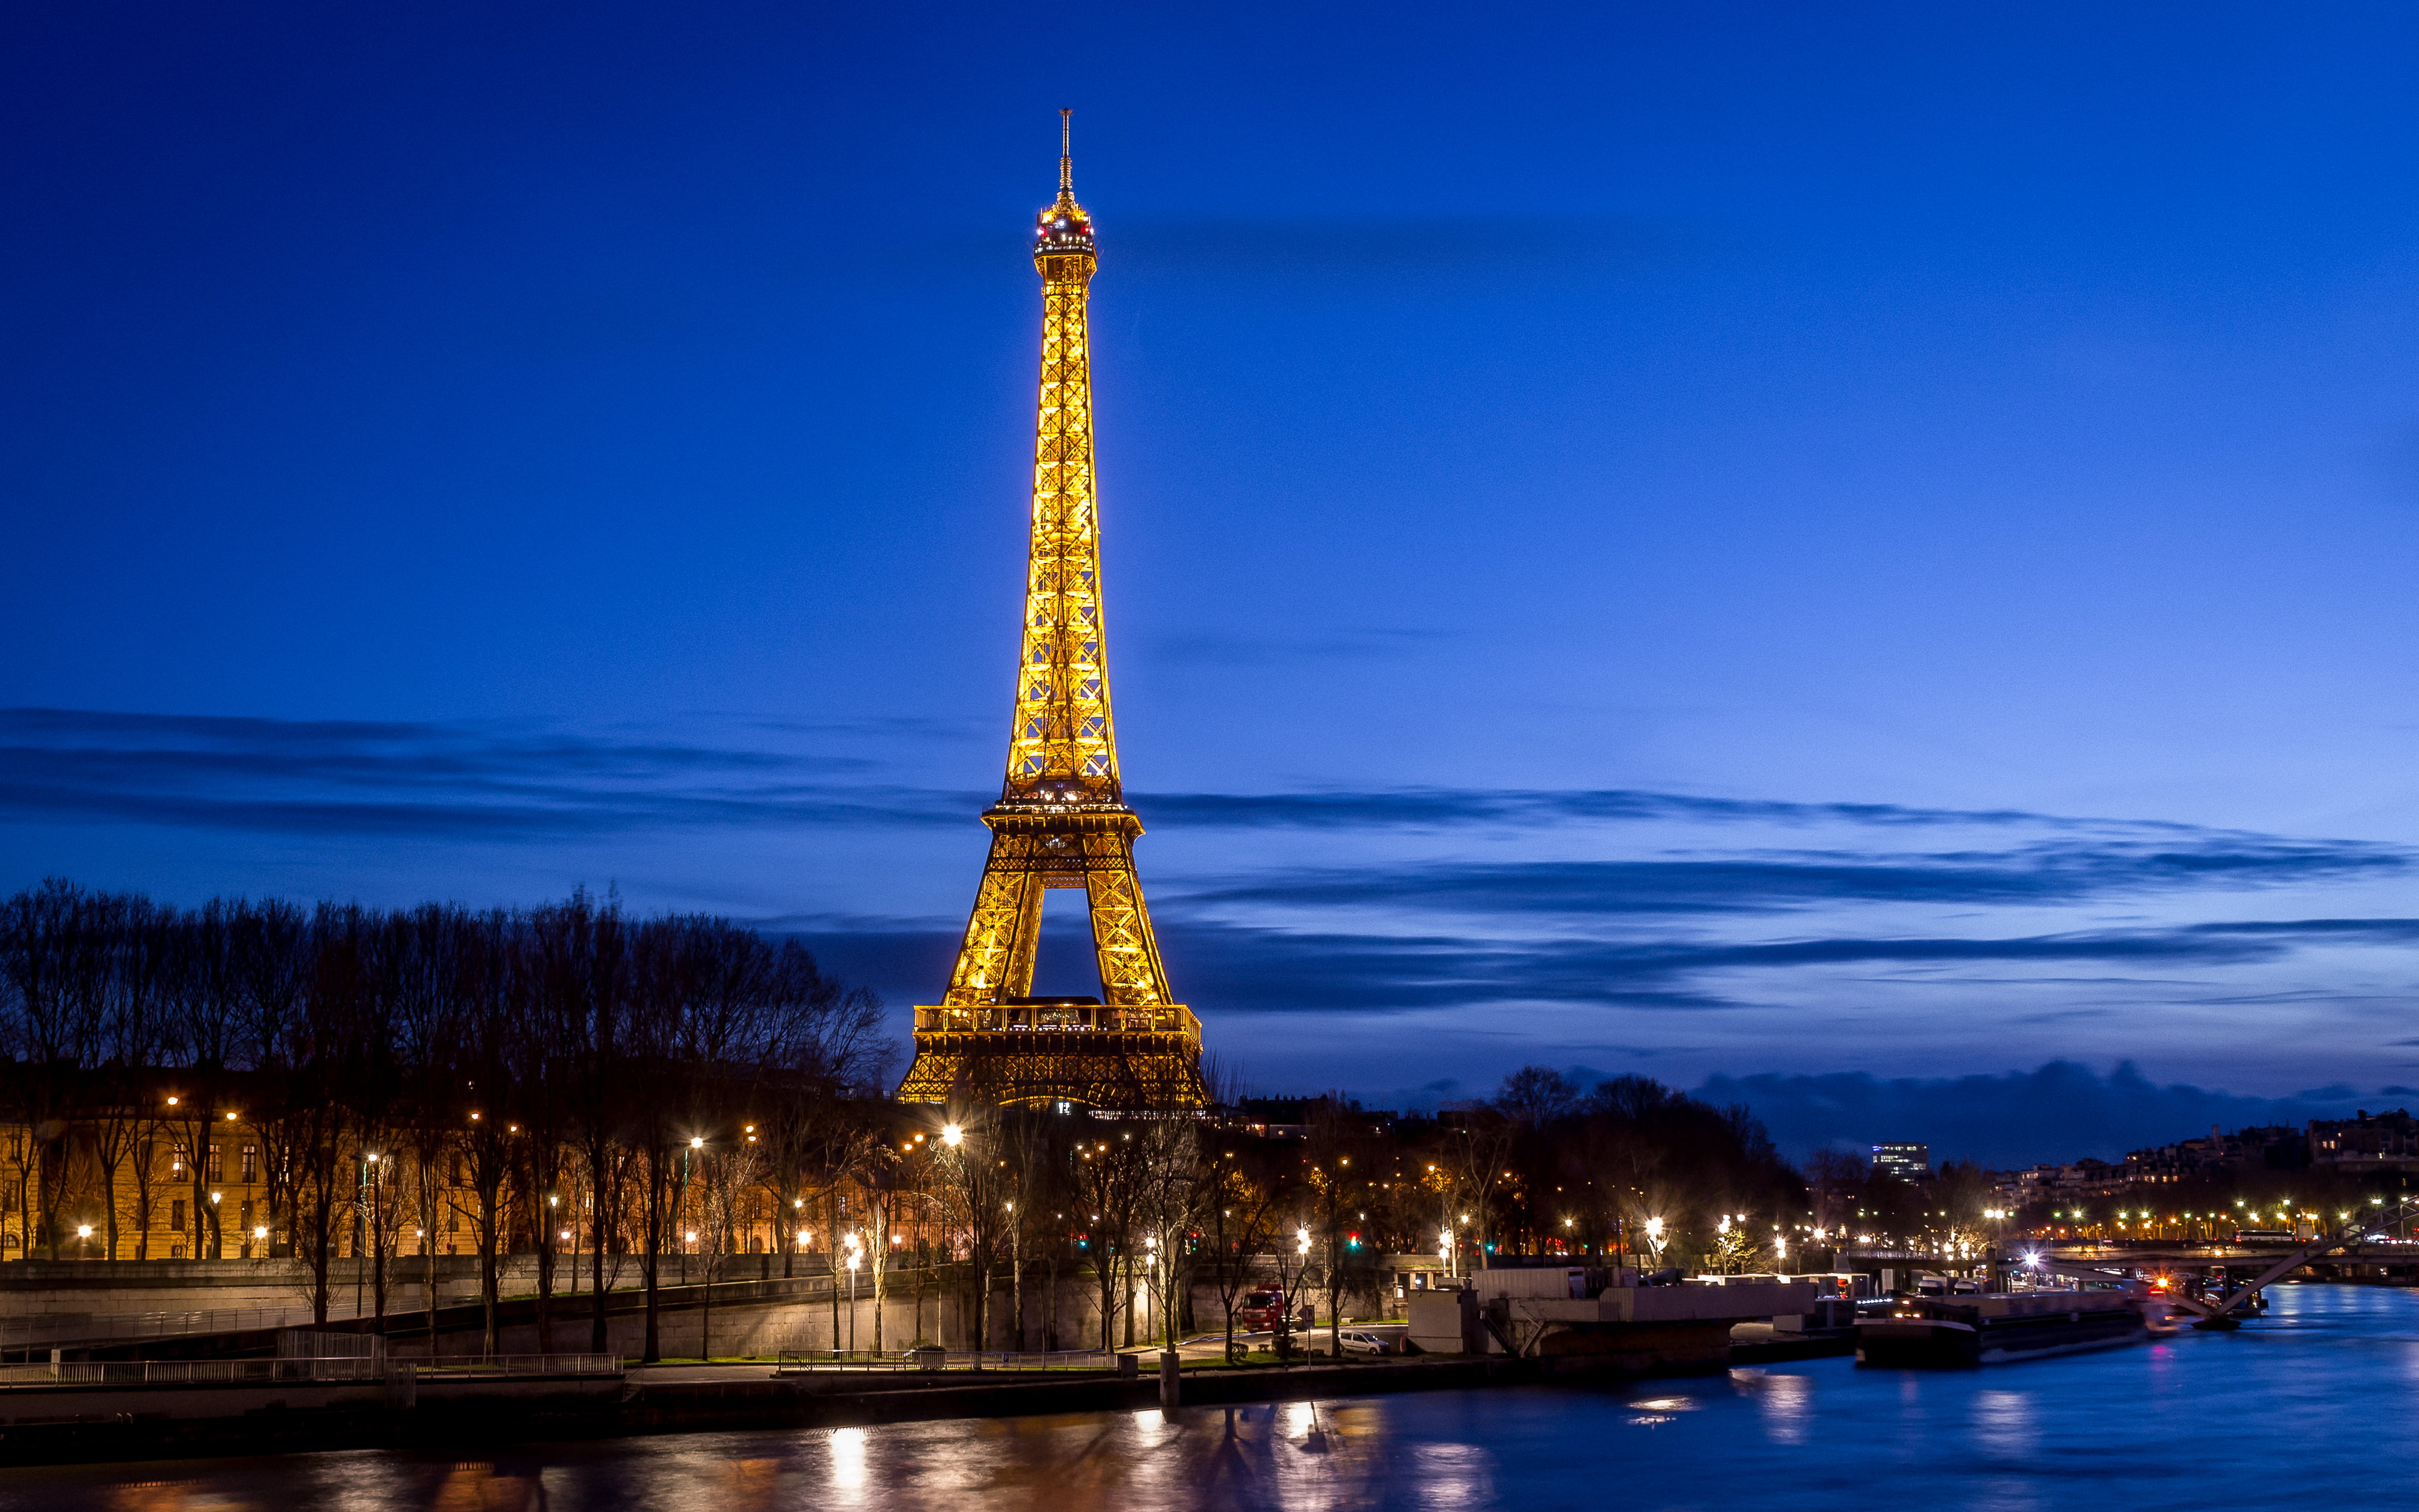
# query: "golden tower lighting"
(1061, 820)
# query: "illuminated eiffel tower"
(1061, 820)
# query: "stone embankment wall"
(36, 1290)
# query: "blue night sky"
(1783, 545)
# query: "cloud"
(2048, 873)
(1430, 808)
(504, 778)
(2059, 1112)
(1246, 969)
(483, 780)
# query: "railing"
(1050, 1018)
(20, 1333)
(305, 1371)
(453, 1366)
(823, 1360)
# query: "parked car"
(1360, 1341)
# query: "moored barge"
(1990, 1328)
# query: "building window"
(176, 1252)
(251, 1165)
(176, 1218)
(218, 1166)
(177, 1161)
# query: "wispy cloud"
(1434, 808)
(502, 778)
(1248, 968)
(492, 780)
(2047, 872)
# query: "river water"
(2316, 1404)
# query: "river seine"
(2316, 1404)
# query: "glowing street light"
(952, 1135)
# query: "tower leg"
(1131, 974)
(1002, 933)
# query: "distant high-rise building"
(1909, 1163)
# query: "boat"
(1995, 1327)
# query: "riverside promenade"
(70, 1422)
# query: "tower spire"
(1066, 154)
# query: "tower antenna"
(1065, 152)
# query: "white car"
(1360, 1341)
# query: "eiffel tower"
(1061, 820)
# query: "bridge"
(2126, 1262)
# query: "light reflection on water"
(2326, 1388)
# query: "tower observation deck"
(1061, 820)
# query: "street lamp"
(851, 1293)
(952, 1135)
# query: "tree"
(1240, 1224)
(1107, 1180)
(1175, 1187)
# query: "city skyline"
(1646, 546)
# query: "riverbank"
(84, 1425)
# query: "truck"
(1262, 1308)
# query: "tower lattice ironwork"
(1061, 820)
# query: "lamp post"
(852, 1292)
(218, 1241)
(680, 1198)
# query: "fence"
(300, 1371)
(449, 1367)
(94, 1328)
(790, 1361)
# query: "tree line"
(500, 1060)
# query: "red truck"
(1262, 1307)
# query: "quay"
(1505, 1327)
(74, 1424)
